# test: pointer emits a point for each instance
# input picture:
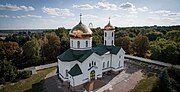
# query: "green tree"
(140, 45)
(165, 84)
(155, 51)
(52, 46)
(8, 72)
(97, 39)
(173, 35)
(64, 42)
(125, 43)
(31, 51)
(152, 36)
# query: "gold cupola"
(80, 31)
(109, 26)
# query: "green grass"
(32, 84)
(145, 85)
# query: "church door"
(92, 75)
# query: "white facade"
(109, 37)
(104, 63)
(81, 44)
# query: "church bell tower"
(109, 34)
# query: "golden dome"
(109, 26)
(80, 31)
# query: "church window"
(108, 64)
(105, 34)
(86, 43)
(105, 42)
(119, 63)
(89, 64)
(78, 44)
(95, 63)
(112, 42)
(112, 34)
(66, 73)
(103, 64)
(92, 63)
(119, 56)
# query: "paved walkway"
(151, 61)
(123, 82)
(129, 83)
(52, 83)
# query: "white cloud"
(4, 16)
(83, 7)
(15, 7)
(164, 13)
(127, 5)
(57, 11)
(90, 16)
(34, 16)
(164, 17)
(22, 16)
(143, 9)
(106, 6)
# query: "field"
(145, 85)
(32, 84)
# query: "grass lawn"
(145, 85)
(32, 84)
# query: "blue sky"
(51, 14)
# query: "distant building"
(82, 62)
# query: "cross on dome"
(80, 17)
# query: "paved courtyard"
(121, 82)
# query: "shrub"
(8, 72)
(24, 74)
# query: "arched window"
(108, 64)
(103, 64)
(66, 73)
(78, 44)
(119, 63)
(105, 42)
(105, 34)
(112, 34)
(94, 63)
(112, 42)
(86, 43)
(89, 64)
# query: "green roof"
(71, 55)
(81, 55)
(75, 70)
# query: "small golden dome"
(109, 26)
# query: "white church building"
(83, 63)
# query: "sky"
(52, 14)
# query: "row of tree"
(40, 48)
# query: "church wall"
(74, 43)
(108, 37)
(122, 57)
(107, 57)
(63, 66)
(85, 66)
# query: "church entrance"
(92, 75)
